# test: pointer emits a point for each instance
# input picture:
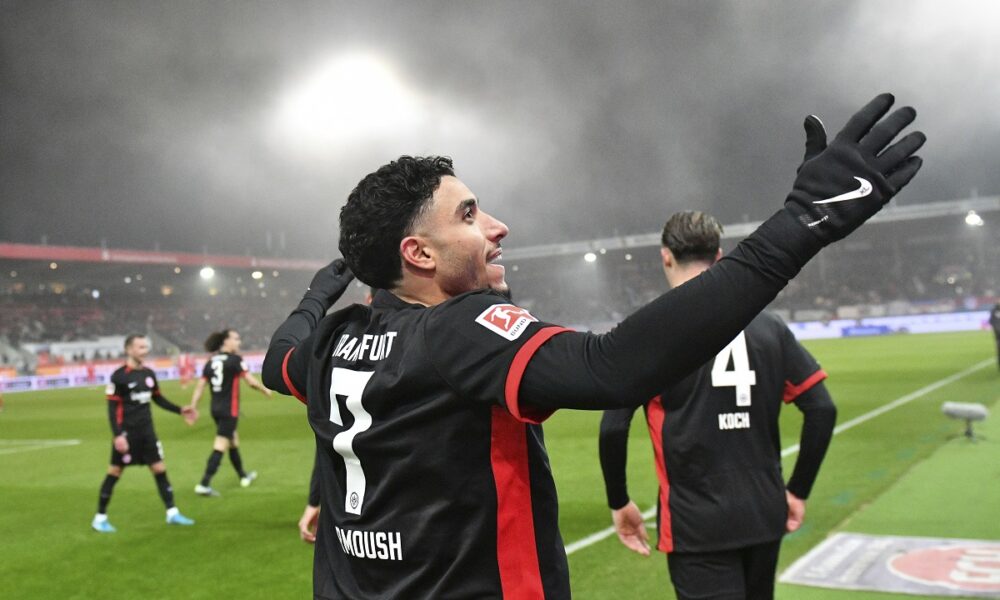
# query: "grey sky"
(149, 123)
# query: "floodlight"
(590, 257)
(972, 219)
(207, 272)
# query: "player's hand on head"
(631, 529)
(840, 185)
(796, 512)
(330, 282)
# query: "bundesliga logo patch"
(506, 320)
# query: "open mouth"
(495, 257)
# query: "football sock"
(234, 456)
(213, 465)
(106, 488)
(166, 492)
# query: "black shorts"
(737, 574)
(142, 450)
(225, 426)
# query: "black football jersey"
(129, 392)
(434, 484)
(717, 446)
(223, 372)
(995, 318)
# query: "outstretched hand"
(841, 185)
(190, 414)
(631, 529)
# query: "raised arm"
(283, 371)
(686, 326)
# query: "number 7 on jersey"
(351, 384)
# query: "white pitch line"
(595, 537)
(29, 445)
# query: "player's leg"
(219, 447)
(759, 565)
(703, 575)
(234, 456)
(100, 522)
(174, 516)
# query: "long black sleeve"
(613, 450)
(819, 416)
(296, 328)
(116, 427)
(165, 404)
(673, 335)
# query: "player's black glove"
(842, 185)
(330, 282)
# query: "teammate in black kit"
(722, 504)
(223, 372)
(130, 391)
(995, 324)
(434, 480)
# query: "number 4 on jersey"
(351, 384)
(741, 377)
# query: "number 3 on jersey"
(350, 384)
(741, 377)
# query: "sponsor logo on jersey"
(142, 397)
(506, 320)
(738, 420)
(381, 545)
(972, 568)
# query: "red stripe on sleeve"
(793, 391)
(655, 415)
(516, 372)
(234, 400)
(288, 380)
(517, 554)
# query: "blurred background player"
(994, 323)
(723, 505)
(129, 392)
(223, 372)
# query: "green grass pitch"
(896, 473)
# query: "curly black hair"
(381, 211)
(692, 236)
(214, 341)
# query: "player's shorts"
(736, 574)
(225, 426)
(142, 450)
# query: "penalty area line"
(607, 532)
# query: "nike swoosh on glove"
(841, 185)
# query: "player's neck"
(416, 289)
(133, 363)
(681, 275)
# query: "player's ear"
(667, 256)
(416, 253)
